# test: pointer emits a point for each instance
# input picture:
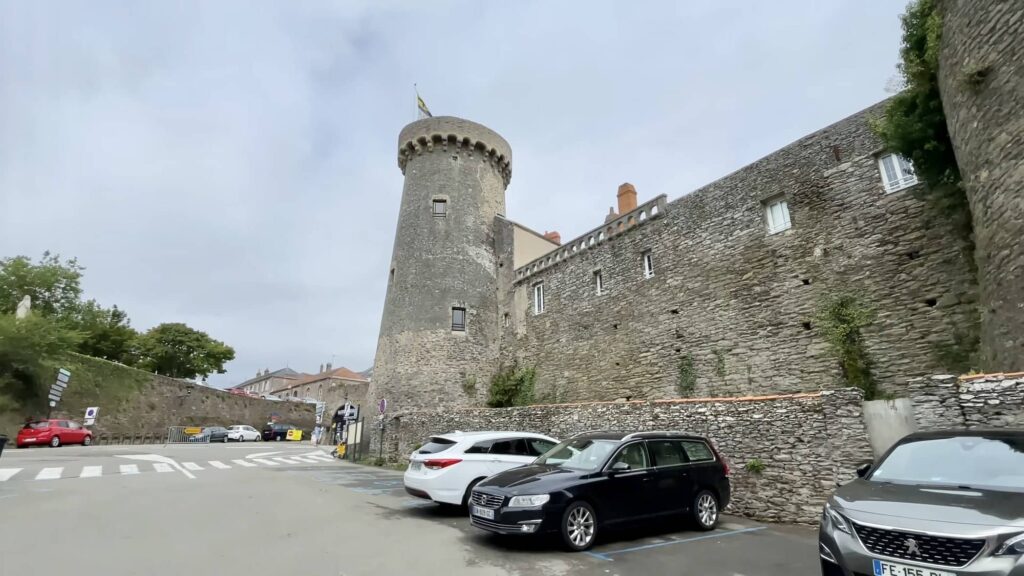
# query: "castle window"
(777, 215)
(440, 209)
(897, 172)
(598, 283)
(507, 319)
(648, 264)
(538, 298)
(458, 319)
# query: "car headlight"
(1014, 545)
(836, 519)
(529, 501)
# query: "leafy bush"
(840, 319)
(754, 466)
(687, 381)
(511, 386)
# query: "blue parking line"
(605, 555)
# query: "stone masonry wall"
(808, 442)
(738, 300)
(994, 401)
(981, 78)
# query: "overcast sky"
(232, 165)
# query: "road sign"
(321, 407)
(193, 430)
(63, 376)
(382, 406)
(90, 415)
(59, 385)
(54, 397)
(52, 404)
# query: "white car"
(446, 468)
(243, 433)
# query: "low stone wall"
(807, 442)
(992, 401)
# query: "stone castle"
(714, 293)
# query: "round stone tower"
(439, 332)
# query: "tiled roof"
(342, 373)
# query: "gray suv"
(936, 504)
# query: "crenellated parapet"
(447, 134)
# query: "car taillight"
(438, 463)
(725, 463)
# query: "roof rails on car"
(646, 433)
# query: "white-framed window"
(897, 172)
(648, 264)
(776, 213)
(458, 319)
(538, 298)
(598, 283)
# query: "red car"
(53, 433)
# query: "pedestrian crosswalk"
(97, 471)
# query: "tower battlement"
(450, 134)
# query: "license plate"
(415, 465)
(483, 512)
(886, 568)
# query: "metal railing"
(127, 439)
(185, 435)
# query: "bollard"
(3, 442)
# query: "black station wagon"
(598, 479)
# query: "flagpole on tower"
(421, 107)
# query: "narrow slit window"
(538, 298)
(648, 264)
(598, 283)
(458, 319)
(440, 208)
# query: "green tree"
(29, 351)
(511, 386)
(914, 124)
(174, 349)
(53, 285)
(106, 332)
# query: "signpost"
(90, 415)
(57, 389)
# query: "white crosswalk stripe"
(127, 469)
(265, 461)
(285, 460)
(163, 467)
(50, 473)
(244, 464)
(322, 457)
(8, 473)
(219, 464)
(191, 466)
(305, 459)
(91, 472)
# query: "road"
(284, 508)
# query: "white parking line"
(244, 464)
(128, 469)
(191, 466)
(49, 473)
(267, 462)
(162, 467)
(219, 464)
(91, 472)
(8, 473)
(285, 460)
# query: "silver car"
(936, 504)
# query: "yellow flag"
(421, 106)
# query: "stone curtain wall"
(995, 401)
(738, 300)
(807, 442)
(981, 78)
(149, 403)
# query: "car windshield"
(585, 454)
(994, 463)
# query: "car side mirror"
(863, 470)
(620, 467)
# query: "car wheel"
(705, 510)
(87, 441)
(277, 438)
(579, 526)
(55, 441)
(469, 491)
(259, 438)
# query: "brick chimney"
(611, 215)
(329, 366)
(627, 198)
(321, 369)
(554, 236)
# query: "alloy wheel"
(707, 509)
(581, 526)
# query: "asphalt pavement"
(287, 508)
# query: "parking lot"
(739, 547)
